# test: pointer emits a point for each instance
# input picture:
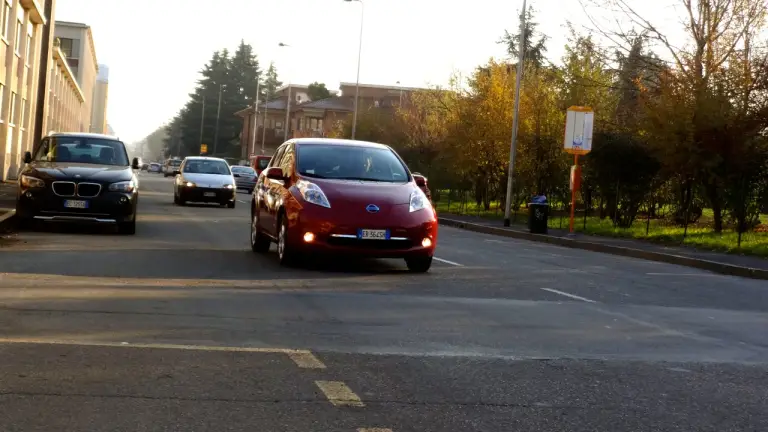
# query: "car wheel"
(419, 265)
(128, 228)
(285, 253)
(259, 242)
(231, 204)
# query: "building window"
(19, 27)
(23, 113)
(28, 50)
(2, 97)
(12, 118)
(69, 47)
(6, 20)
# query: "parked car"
(245, 178)
(171, 167)
(204, 179)
(79, 177)
(320, 196)
(155, 167)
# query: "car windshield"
(243, 170)
(206, 167)
(86, 150)
(345, 162)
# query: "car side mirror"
(135, 164)
(274, 173)
(27, 157)
(421, 181)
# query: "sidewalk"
(737, 265)
(7, 202)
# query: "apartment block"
(21, 24)
(66, 100)
(100, 96)
(76, 42)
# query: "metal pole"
(216, 134)
(42, 82)
(287, 115)
(516, 118)
(202, 121)
(264, 125)
(255, 118)
(359, 55)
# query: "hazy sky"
(155, 48)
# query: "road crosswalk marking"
(339, 394)
(306, 360)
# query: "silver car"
(245, 178)
(204, 179)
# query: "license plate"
(78, 204)
(372, 234)
(209, 194)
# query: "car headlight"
(31, 182)
(228, 186)
(188, 184)
(124, 186)
(418, 201)
(312, 193)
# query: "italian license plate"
(373, 234)
(209, 194)
(76, 204)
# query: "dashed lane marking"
(448, 262)
(241, 201)
(374, 430)
(306, 360)
(339, 394)
(573, 296)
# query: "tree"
(317, 91)
(271, 83)
(534, 43)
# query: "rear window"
(345, 162)
(262, 163)
(206, 167)
(243, 170)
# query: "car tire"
(418, 265)
(231, 204)
(285, 253)
(127, 228)
(259, 242)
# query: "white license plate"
(78, 204)
(372, 234)
(209, 194)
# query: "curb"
(6, 221)
(713, 266)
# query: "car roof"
(338, 142)
(84, 135)
(205, 158)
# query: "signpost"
(579, 121)
(203, 149)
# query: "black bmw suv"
(79, 177)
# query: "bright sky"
(154, 49)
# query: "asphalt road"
(183, 328)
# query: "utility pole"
(516, 118)
(42, 82)
(216, 133)
(287, 114)
(264, 123)
(202, 121)
(255, 119)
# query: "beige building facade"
(76, 42)
(21, 24)
(66, 100)
(100, 97)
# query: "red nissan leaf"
(321, 196)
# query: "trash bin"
(538, 214)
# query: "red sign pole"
(575, 185)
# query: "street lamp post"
(255, 119)
(359, 55)
(287, 104)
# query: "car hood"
(79, 171)
(208, 180)
(365, 192)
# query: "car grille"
(63, 188)
(88, 190)
(371, 244)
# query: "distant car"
(204, 179)
(79, 177)
(170, 167)
(245, 178)
(339, 196)
(259, 163)
(155, 168)
(145, 166)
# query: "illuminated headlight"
(312, 193)
(125, 186)
(418, 201)
(189, 184)
(228, 186)
(31, 182)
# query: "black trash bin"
(538, 214)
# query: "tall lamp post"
(359, 55)
(287, 103)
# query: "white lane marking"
(493, 241)
(151, 346)
(685, 274)
(306, 360)
(575, 297)
(241, 201)
(448, 262)
(374, 430)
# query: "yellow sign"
(203, 149)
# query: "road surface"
(182, 328)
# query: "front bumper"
(201, 194)
(341, 236)
(245, 185)
(107, 207)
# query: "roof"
(204, 158)
(378, 86)
(293, 86)
(338, 103)
(337, 142)
(84, 135)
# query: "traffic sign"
(578, 130)
(203, 149)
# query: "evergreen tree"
(534, 43)
(271, 83)
(317, 91)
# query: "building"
(66, 100)
(307, 117)
(100, 94)
(21, 22)
(76, 42)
